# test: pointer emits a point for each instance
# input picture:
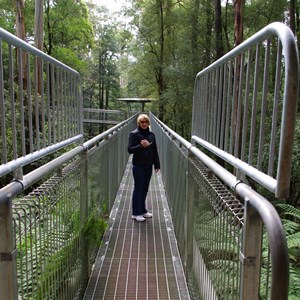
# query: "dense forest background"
(154, 49)
(149, 48)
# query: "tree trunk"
(238, 38)
(21, 33)
(49, 29)
(292, 16)
(218, 29)
(208, 32)
(195, 35)
(20, 20)
(39, 25)
(101, 80)
(38, 37)
(160, 75)
(238, 22)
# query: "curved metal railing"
(40, 104)
(245, 106)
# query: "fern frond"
(294, 290)
(289, 210)
(293, 240)
(290, 227)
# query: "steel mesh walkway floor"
(139, 260)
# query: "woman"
(142, 145)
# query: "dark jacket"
(141, 155)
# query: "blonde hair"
(141, 117)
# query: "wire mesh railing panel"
(98, 198)
(214, 218)
(173, 167)
(48, 240)
(218, 224)
(174, 179)
(58, 227)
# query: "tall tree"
(154, 23)
(295, 20)
(209, 24)
(69, 33)
(238, 22)
(21, 33)
(218, 29)
(107, 49)
(103, 74)
(39, 35)
(292, 15)
(160, 78)
(20, 19)
(194, 21)
(39, 25)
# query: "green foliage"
(259, 13)
(94, 228)
(101, 81)
(216, 236)
(57, 267)
(7, 15)
(67, 26)
(294, 198)
(50, 238)
(290, 217)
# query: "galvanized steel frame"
(111, 144)
(103, 116)
(256, 212)
(227, 111)
(40, 104)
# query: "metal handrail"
(267, 213)
(214, 88)
(81, 157)
(42, 109)
(17, 186)
(13, 40)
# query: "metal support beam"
(8, 278)
(83, 218)
(250, 255)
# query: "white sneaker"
(147, 215)
(138, 218)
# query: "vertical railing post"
(83, 217)
(250, 255)
(111, 178)
(189, 219)
(8, 277)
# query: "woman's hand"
(145, 143)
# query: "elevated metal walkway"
(58, 188)
(138, 260)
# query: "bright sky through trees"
(112, 5)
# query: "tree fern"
(289, 210)
(290, 217)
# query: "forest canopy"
(149, 48)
